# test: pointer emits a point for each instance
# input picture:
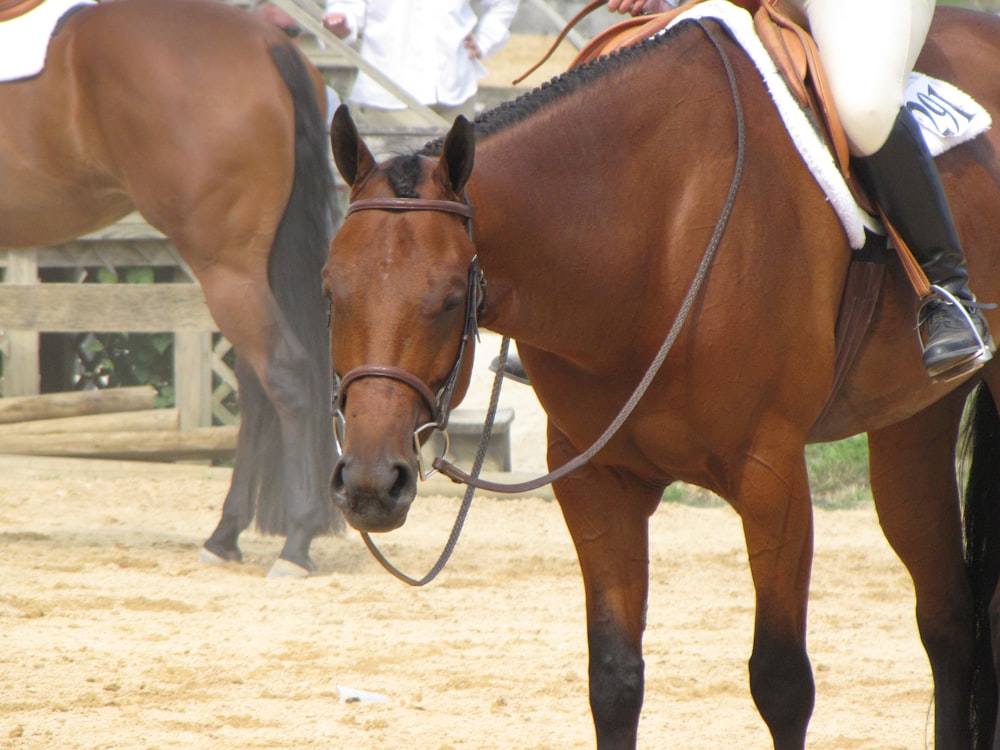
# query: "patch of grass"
(838, 473)
(838, 476)
(686, 494)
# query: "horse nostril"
(337, 483)
(404, 480)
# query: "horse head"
(404, 289)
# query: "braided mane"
(509, 113)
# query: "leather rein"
(439, 403)
(473, 481)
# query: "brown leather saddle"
(794, 52)
(14, 8)
(791, 47)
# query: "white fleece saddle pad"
(947, 115)
(25, 40)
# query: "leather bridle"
(438, 403)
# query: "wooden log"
(162, 445)
(76, 403)
(55, 467)
(124, 421)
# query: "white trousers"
(868, 48)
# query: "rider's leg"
(903, 179)
(868, 50)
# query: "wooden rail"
(28, 307)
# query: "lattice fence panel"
(225, 397)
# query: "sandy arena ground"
(112, 635)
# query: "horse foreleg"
(772, 498)
(608, 519)
(914, 485)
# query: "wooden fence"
(29, 307)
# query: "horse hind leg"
(914, 486)
(274, 317)
(295, 500)
(285, 450)
(259, 438)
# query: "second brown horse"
(209, 122)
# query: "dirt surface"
(522, 52)
(112, 635)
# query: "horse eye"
(452, 302)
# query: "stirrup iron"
(977, 358)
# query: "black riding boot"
(902, 178)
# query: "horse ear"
(352, 156)
(458, 154)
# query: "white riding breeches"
(868, 48)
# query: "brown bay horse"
(595, 198)
(210, 123)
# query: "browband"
(410, 204)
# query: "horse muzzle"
(374, 497)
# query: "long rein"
(471, 479)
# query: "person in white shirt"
(429, 48)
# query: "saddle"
(796, 56)
(15, 8)
(790, 46)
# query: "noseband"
(438, 404)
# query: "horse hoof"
(284, 569)
(208, 557)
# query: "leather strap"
(857, 308)
(919, 280)
(824, 100)
(15, 8)
(788, 54)
(393, 373)
(629, 31)
(562, 35)
(410, 204)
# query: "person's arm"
(493, 29)
(344, 18)
(638, 7)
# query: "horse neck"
(577, 204)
